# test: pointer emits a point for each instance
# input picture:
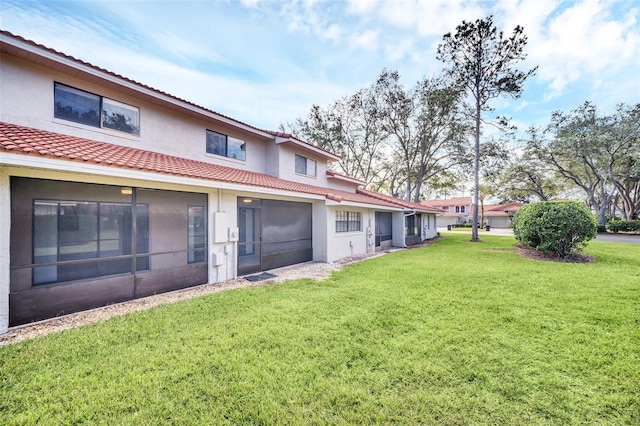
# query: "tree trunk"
(476, 174)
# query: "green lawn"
(451, 333)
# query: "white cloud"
(361, 6)
(265, 62)
(584, 40)
(396, 51)
(333, 32)
(250, 3)
(431, 18)
(367, 40)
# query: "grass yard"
(451, 333)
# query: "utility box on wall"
(220, 227)
(217, 259)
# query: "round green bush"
(556, 227)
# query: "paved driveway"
(618, 238)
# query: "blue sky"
(266, 62)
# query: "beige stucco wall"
(27, 99)
(429, 226)
(341, 185)
(347, 244)
(287, 166)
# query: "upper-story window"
(226, 146)
(461, 209)
(94, 110)
(305, 166)
(457, 209)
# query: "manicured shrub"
(556, 227)
(620, 225)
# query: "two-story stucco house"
(460, 210)
(112, 190)
(454, 210)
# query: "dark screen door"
(250, 236)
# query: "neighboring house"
(455, 210)
(499, 215)
(112, 190)
(460, 210)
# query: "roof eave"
(35, 53)
(318, 151)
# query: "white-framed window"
(87, 108)
(226, 146)
(305, 166)
(348, 221)
(461, 209)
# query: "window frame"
(114, 105)
(196, 251)
(307, 163)
(72, 223)
(348, 221)
(239, 145)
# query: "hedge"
(618, 225)
(557, 227)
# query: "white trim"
(332, 203)
(5, 241)
(345, 178)
(306, 146)
(83, 168)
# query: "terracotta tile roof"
(501, 209)
(455, 201)
(513, 206)
(397, 201)
(21, 140)
(345, 177)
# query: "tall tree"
(595, 152)
(624, 134)
(395, 139)
(527, 178)
(349, 127)
(482, 61)
(428, 129)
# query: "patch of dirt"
(533, 254)
(312, 270)
(425, 243)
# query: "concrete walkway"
(606, 238)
